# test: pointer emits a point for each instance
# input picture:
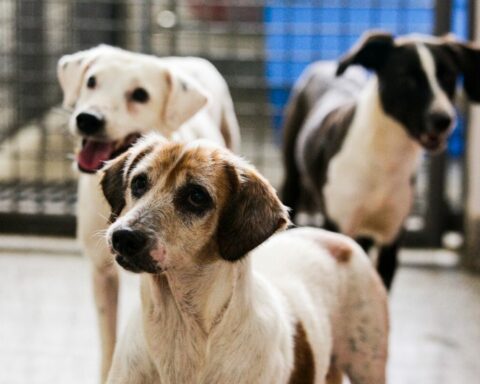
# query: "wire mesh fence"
(260, 46)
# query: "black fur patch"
(113, 187)
(370, 52)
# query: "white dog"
(117, 96)
(302, 308)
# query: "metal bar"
(53, 225)
(29, 93)
(146, 27)
(470, 257)
(109, 18)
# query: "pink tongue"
(94, 153)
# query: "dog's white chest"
(369, 190)
(366, 203)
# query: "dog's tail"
(295, 115)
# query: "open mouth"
(94, 153)
(432, 142)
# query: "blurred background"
(260, 47)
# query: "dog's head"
(417, 77)
(176, 205)
(118, 95)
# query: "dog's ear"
(71, 71)
(184, 97)
(252, 214)
(371, 51)
(467, 57)
(113, 185)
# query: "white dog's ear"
(184, 97)
(251, 216)
(71, 70)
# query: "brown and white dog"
(303, 307)
(116, 96)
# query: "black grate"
(259, 46)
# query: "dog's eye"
(139, 185)
(140, 95)
(91, 82)
(193, 198)
(197, 196)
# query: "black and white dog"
(352, 141)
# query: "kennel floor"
(48, 329)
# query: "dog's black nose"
(89, 124)
(440, 121)
(128, 242)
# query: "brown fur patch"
(251, 216)
(164, 159)
(337, 246)
(304, 365)
(334, 375)
(137, 159)
(339, 250)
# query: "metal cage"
(259, 46)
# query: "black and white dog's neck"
(377, 134)
(371, 170)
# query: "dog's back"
(334, 292)
(318, 90)
(222, 110)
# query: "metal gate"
(259, 46)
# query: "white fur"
(371, 173)
(118, 72)
(440, 101)
(293, 277)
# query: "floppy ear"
(251, 216)
(71, 70)
(371, 51)
(467, 57)
(183, 99)
(113, 185)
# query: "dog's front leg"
(92, 220)
(388, 261)
(105, 286)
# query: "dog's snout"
(127, 241)
(89, 124)
(440, 121)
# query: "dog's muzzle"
(131, 248)
(439, 126)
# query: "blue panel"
(298, 32)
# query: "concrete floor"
(48, 330)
